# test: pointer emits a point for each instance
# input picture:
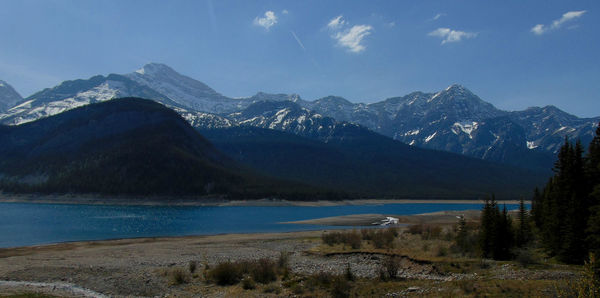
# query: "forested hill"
(125, 146)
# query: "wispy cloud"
(298, 40)
(336, 23)
(449, 35)
(267, 21)
(285, 11)
(540, 29)
(437, 16)
(350, 38)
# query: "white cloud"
(352, 38)
(336, 23)
(391, 24)
(437, 16)
(449, 35)
(540, 29)
(268, 21)
(285, 11)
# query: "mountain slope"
(124, 146)
(8, 96)
(186, 91)
(72, 94)
(357, 160)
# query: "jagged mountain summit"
(183, 90)
(453, 119)
(8, 96)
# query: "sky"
(513, 54)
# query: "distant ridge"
(453, 119)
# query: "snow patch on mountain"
(531, 145)
(430, 137)
(31, 111)
(465, 126)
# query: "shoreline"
(359, 221)
(215, 202)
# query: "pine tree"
(486, 233)
(524, 231)
(562, 210)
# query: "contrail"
(298, 40)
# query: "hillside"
(124, 146)
(359, 161)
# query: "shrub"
(283, 260)
(263, 271)
(416, 229)
(248, 283)
(367, 234)
(348, 274)
(192, 265)
(226, 273)
(353, 239)
(179, 276)
(321, 279)
(340, 288)
(442, 251)
(331, 238)
(391, 265)
(384, 238)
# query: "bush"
(348, 274)
(179, 276)
(442, 251)
(192, 266)
(340, 288)
(226, 273)
(353, 238)
(384, 238)
(367, 234)
(391, 265)
(283, 260)
(331, 238)
(263, 271)
(248, 283)
(416, 229)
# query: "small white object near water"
(387, 221)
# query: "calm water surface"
(29, 224)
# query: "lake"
(23, 224)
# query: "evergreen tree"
(496, 237)
(524, 231)
(486, 234)
(562, 210)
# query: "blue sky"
(514, 54)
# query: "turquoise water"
(24, 224)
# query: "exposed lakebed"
(23, 224)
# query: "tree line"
(565, 215)
(567, 210)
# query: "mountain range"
(453, 119)
(132, 146)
